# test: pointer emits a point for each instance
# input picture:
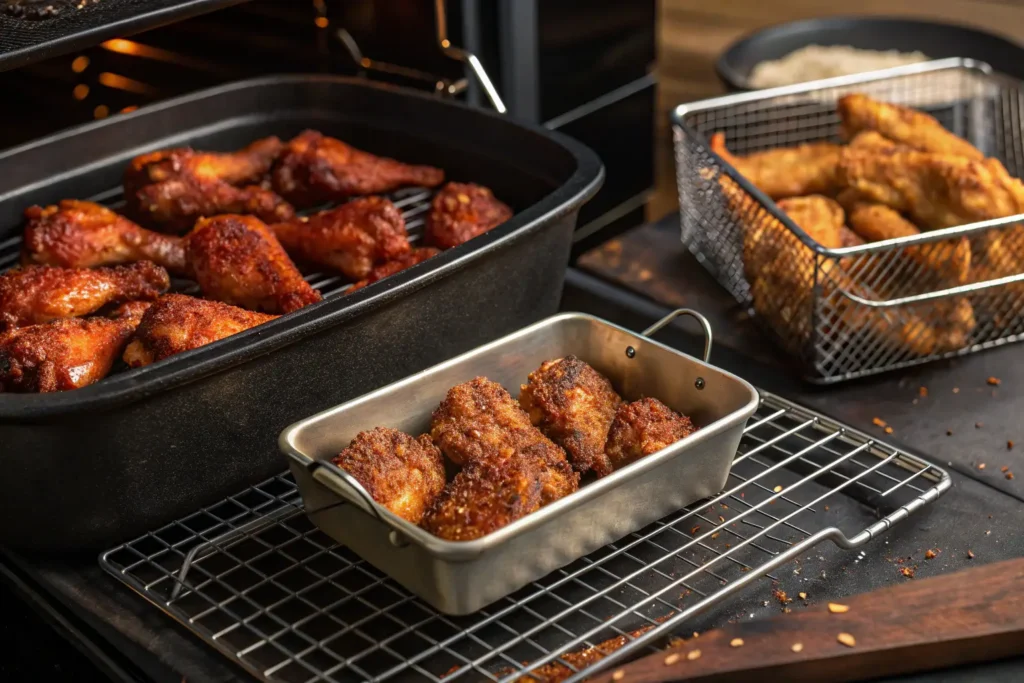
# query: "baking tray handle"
(705, 325)
(345, 485)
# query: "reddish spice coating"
(642, 428)
(462, 211)
(418, 255)
(402, 473)
(37, 294)
(238, 260)
(351, 239)
(314, 169)
(555, 672)
(574, 405)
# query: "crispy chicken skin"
(76, 234)
(642, 428)
(488, 494)
(402, 473)
(171, 189)
(786, 171)
(573, 404)
(315, 169)
(903, 125)
(238, 260)
(37, 294)
(418, 255)
(177, 323)
(461, 211)
(351, 239)
(820, 217)
(62, 354)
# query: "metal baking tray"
(100, 464)
(461, 577)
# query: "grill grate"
(256, 580)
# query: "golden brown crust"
(37, 294)
(644, 427)
(315, 169)
(573, 404)
(238, 260)
(418, 255)
(177, 323)
(402, 473)
(820, 217)
(786, 171)
(903, 125)
(351, 239)
(462, 211)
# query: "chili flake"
(878, 422)
(994, 381)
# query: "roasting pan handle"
(345, 485)
(705, 325)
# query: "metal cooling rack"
(256, 580)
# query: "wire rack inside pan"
(255, 579)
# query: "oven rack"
(255, 579)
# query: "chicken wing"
(77, 234)
(462, 211)
(573, 404)
(418, 255)
(62, 354)
(402, 473)
(786, 171)
(237, 260)
(351, 239)
(315, 169)
(903, 125)
(177, 323)
(37, 294)
(171, 189)
(644, 427)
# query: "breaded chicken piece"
(402, 473)
(461, 211)
(903, 125)
(573, 404)
(786, 171)
(872, 140)
(820, 217)
(644, 427)
(38, 294)
(489, 494)
(418, 255)
(177, 323)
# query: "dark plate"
(868, 33)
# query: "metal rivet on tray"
(630, 352)
(398, 540)
(699, 383)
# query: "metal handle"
(345, 485)
(929, 296)
(465, 57)
(705, 325)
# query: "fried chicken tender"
(786, 171)
(351, 239)
(872, 140)
(573, 404)
(237, 260)
(820, 217)
(402, 473)
(37, 294)
(315, 169)
(76, 234)
(177, 323)
(903, 125)
(418, 255)
(61, 355)
(462, 211)
(644, 427)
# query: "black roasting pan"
(88, 468)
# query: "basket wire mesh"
(860, 309)
(254, 578)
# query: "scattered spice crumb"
(930, 554)
(970, 554)
(836, 608)
(782, 597)
(846, 639)
(981, 465)
(1009, 475)
(826, 508)
(618, 675)
(878, 422)
(736, 642)
(923, 391)
(721, 518)
(979, 425)
(1009, 445)
(797, 647)
(672, 659)
(714, 536)
(694, 530)
(786, 610)
(1004, 469)
(956, 390)
(988, 533)
(949, 432)
(888, 430)
(914, 402)
(696, 635)
(907, 572)
(693, 654)
(777, 489)
(994, 381)
(803, 596)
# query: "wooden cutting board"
(968, 616)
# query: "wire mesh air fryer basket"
(857, 310)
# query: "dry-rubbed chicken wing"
(402, 473)
(177, 323)
(903, 125)
(314, 169)
(642, 428)
(237, 260)
(171, 189)
(418, 255)
(62, 354)
(352, 238)
(460, 212)
(37, 294)
(573, 404)
(786, 171)
(76, 234)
